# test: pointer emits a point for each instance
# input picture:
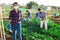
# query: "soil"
(56, 19)
(10, 38)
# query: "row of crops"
(31, 30)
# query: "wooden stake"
(2, 25)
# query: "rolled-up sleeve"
(20, 16)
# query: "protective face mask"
(16, 7)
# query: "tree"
(31, 4)
(43, 7)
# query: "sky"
(40, 2)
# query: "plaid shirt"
(42, 15)
(15, 17)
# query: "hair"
(15, 3)
(39, 9)
(27, 10)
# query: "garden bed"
(31, 30)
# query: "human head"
(27, 10)
(15, 5)
(39, 10)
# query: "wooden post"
(2, 25)
(0, 22)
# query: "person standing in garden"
(42, 17)
(15, 17)
(55, 13)
(28, 14)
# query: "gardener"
(54, 13)
(28, 14)
(15, 21)
(42, 17)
